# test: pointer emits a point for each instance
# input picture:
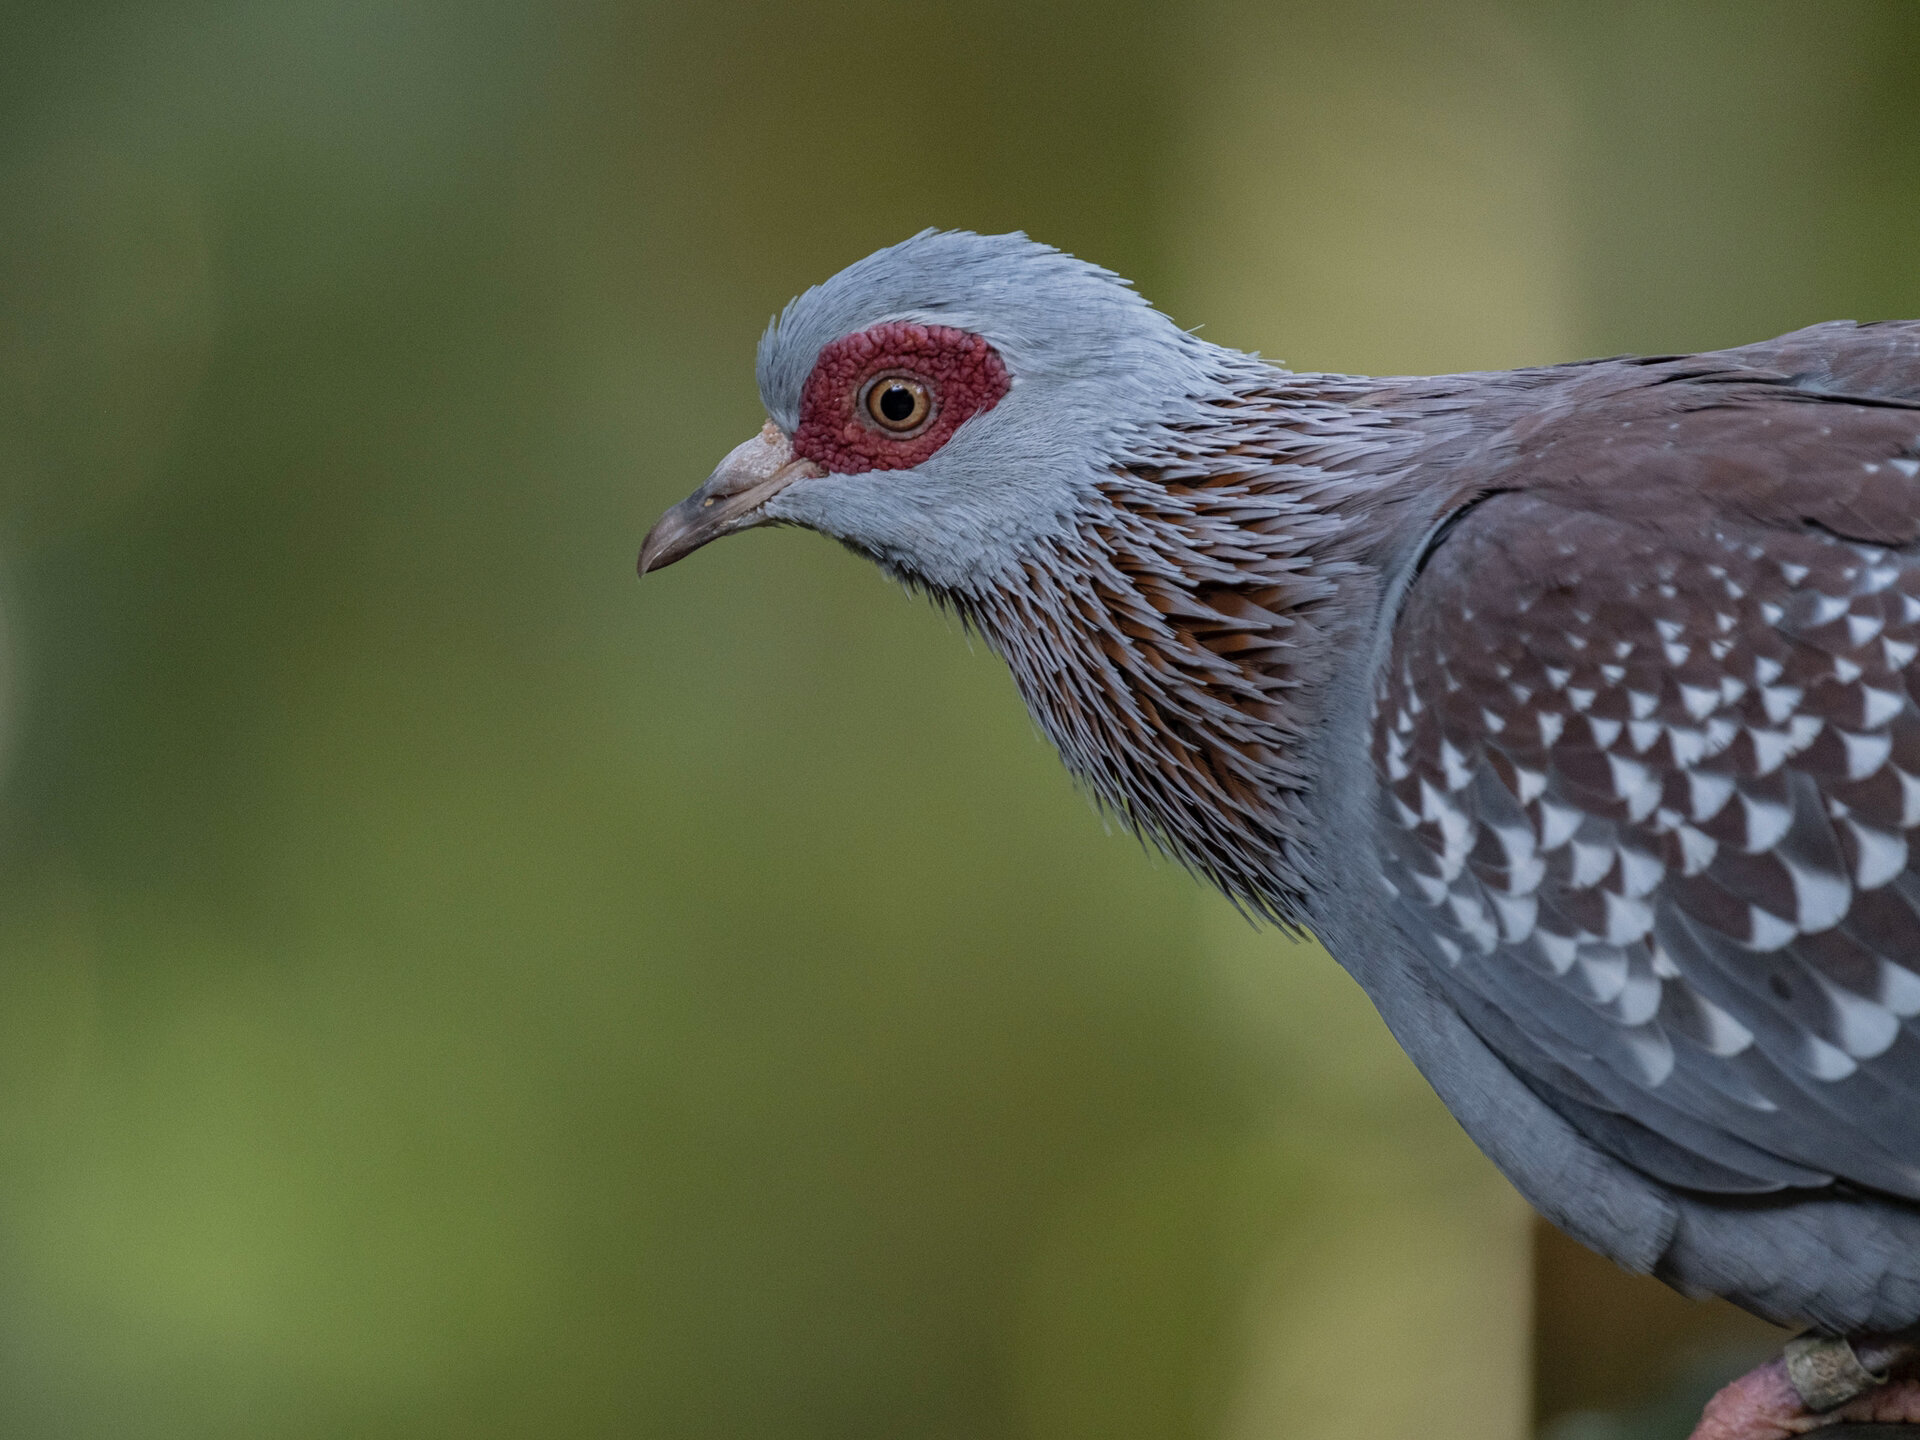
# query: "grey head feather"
(1093, 368)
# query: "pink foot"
(1763, 1405)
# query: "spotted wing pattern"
(1651, 806)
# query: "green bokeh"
(449, 989)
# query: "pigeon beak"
(731, 500)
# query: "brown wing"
(1651, 778)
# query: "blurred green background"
(449, 990)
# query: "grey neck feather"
(1177, 639)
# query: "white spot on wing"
(1779, 701)
(1604, 972)
(1899, 988)
(1725, 1035)
(1651, 1052)
(1820, 898)
(1640, 1000)
(1880, 856)
(1627, 920)
(1770, 749)
(1824, 608)
(1700, 700)
(1881, 705)
(1866, 1028)
(1697, 850)
(1559, 951)
(1767, 821)
(1766, 931)
(1591, 862)
(1687, 745)
(1471, 916)
(1862, 628)
(1517, 915)
(1824, 1061)
(1865, 753)
(1532, 783)
(1707, 794)
(1640, 871)
(1634, 783)
(1557, 824)
(1455, 828)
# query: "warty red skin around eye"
(966, 375)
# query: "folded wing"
(1650, 765)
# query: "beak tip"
(663, 545)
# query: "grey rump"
(1571, 708)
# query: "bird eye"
(899, 404)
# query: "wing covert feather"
(1651, 807)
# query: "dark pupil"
(896, 403)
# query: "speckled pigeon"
(1571, 708)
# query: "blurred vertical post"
(1739, 168)
(1389, 188)
(1376, 188)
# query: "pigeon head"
(942, 406)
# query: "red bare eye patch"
(963, 372)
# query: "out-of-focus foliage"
(446, 989)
